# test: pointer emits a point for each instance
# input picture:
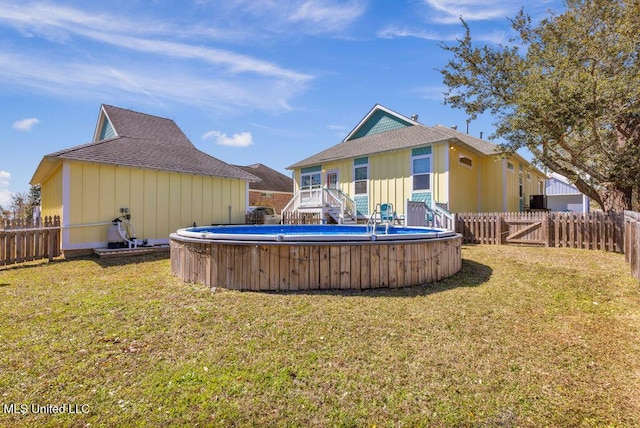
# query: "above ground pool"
(309, 257)
(313, 233)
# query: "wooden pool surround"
(292, 266)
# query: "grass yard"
(521, 337)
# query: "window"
(310, 177)
(421, 168)
(466, 161)
(511, 167)
(528, 176)
(361, 175)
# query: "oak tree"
(567, 89)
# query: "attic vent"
(465, 161)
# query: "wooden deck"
(129, 252)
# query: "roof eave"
(47, 166)
(304, 163)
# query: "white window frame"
(311, 186)
(366, 180)
(511, 167)
(430, 173)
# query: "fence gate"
(524, 228)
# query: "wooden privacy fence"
(595, 231)
(21, 241)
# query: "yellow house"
(142, 164)
(390, 158)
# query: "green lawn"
(520, 337)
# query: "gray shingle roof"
(145, 141)
(484, 147)
(272, 180)
(129, 123)
(398, 139)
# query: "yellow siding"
(75, 214)
(107, 178)
(52, 194)
(196, 199)
(123, 190)
(150, 204)
(441, 175)
(491, 194)
(512, 187)
(163, 205)
(345, 175)
(486, 186)
(159, 202)
(175, 192)
(390, 179)
(218, 209)
(532, 186)
(207, 199)
(464, 181)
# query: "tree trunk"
(615, 198)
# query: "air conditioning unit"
(538, 202)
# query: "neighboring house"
(273, 190)
(562, 195)
(146, 164)
(390, 158)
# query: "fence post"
(635, 264)
(545, 230)
(499, 230)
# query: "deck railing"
(320, 198)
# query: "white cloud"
(392, 32)
(213, 77)
(5, 194)
(243, 139)
(141, 37)
(221, 92)
(289, 17)
(325, 16)
(4, 178)
(25, 124)
(450, 11)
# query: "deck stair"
(329, 203)
(339, 217)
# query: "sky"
(248, 81)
